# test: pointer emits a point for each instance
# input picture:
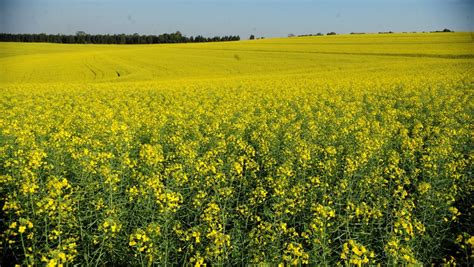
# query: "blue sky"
(234, 17)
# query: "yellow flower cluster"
(401, 254)
(143, 240)
(110, 226)
(294, 254)
(356, 254)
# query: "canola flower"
(300, 153)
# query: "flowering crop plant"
(345, 150)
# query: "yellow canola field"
(33, 63)
(350, 150)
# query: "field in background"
(350, 149)
(32, 63)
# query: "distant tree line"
(253, 37)
(334, 33)
(310, 34)
(445, 30)
(84, 38)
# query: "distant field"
(346, 149)
(30, 62)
